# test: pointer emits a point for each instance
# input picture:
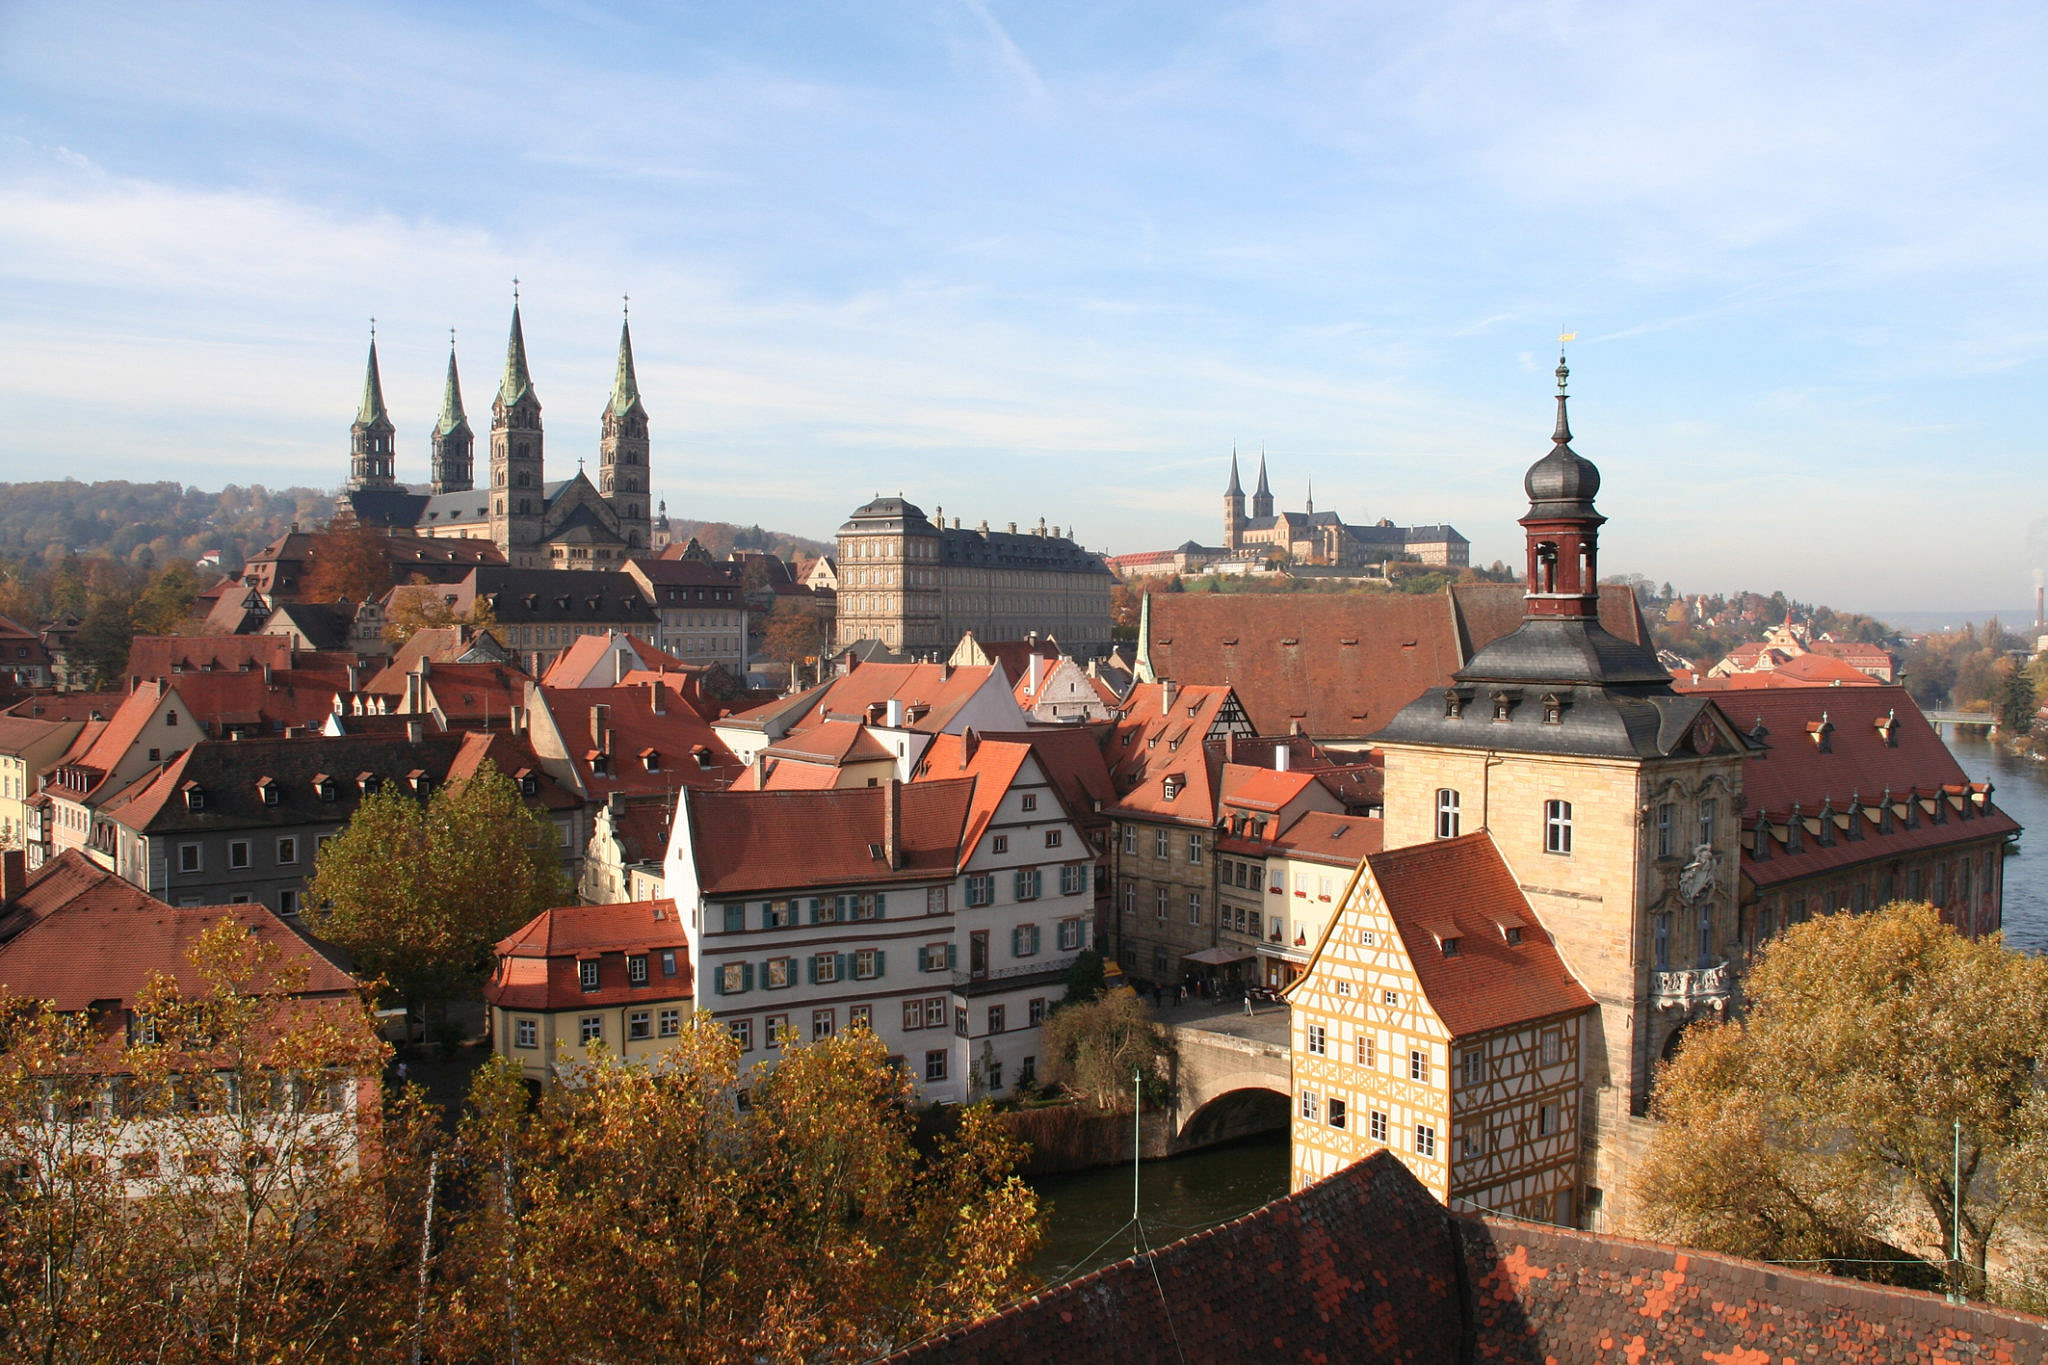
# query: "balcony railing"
(1691, 986)
(1034, 967)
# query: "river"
(1185, 1194)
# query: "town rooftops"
(637, 740)
(931, 697)
(604, 660)
(539, 964)
(239, 784)
(1339, 840)
(1462, 888)
(748, 842)
(68, 705)
(69, 878)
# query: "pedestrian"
(1247, 1004)
(401, 1073)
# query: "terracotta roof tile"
(538, 968)
(761, 841)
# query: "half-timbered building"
(1437, 1020)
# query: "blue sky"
(1031, 260)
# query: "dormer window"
(1795, 832)
(650, 759)
(1454, 704)
(267, 790)
(1827, 824)
(195, 796)
(1513, 934)
(529, 785)
(368, 783)
(1760, 842)
(600, 763)
(1887, 729)
(418, 780)
(323, 786)
(586, 974)
(1553, 709)
(1171, 785)
(1884, 812)
(1449, 945)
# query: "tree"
(418, 893)
(796, 632)
(167, 601)
(351, 565)
(1095, 1048)
(1806, 1128)
(1085, 979)
(421, 605)
(645, 1210)
(210, 1175)
(2016, 700)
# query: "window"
(1159, 838)
(1029, 801)
(1336, 1112)
(824, 1023)
(1024, 941)
(1027, 1073)
(1446, 813)
(287, 850)
(824, 968)
(636, 970)
(935, 957)
(288, 902)
(591, 1029)
(1311, 1105)
(1667, 820)
(1468, 1142)
(1546, 1120)
(189, 858)
(668, 962)
(1557, 827)
(1159, 903)
(935, 1065)
(1706, 954)
(1418, 1064)
(1131, 840)
(735, 919)
(1029, 880)
(640, 1024)
(1425, 1140)
(742, 1030)
(1707, 813)
(586, 974)
(1662, 939)
(1035, 1011)
(1073, 879)
(1318, 1040)
(860, 1016)
(1368, 1052)
(1195, 849)
(981, 890)
(935, 900)
(867, 964)
(1256, 878)
(1194, 907)
(1475, 1066)
(913, 1014)
(732, 978)
(1390, 997)
(672, 1023)
(781, 973)
(995, 1018)
(1052, 838)
(776, 1032)
(1552, 1047)
(1002, 843)
(1070, 935)
(935, 1011)
(1376, 1125)
(526, 1033)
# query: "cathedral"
(565, 524)
(1325, 538)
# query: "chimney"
(600, 727)
(1168, 690)
(618, 666)
(415, 732)
(892, 713)
(1230, 746)
(266, 674)
(969, 742)
(13, 874)
(654, 697)
(413, 693)
(892, 821)
(516, 721)
(355, 677)
(1283, 755)
(1032, 685)
(2040, 605)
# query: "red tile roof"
(1262, 789)
(1856, 760)
(1340, 840)
(67, 879)
(578, 665)
(513, 756)
(103, 943)
(688, 752)
(1488, 983)
(538, 963)
(1341, 664)
(993, 764)
(833, 742)
(68, 705)
(763, 841)
(1804, 671)
(1074, 760)
(932, 695)
(1157, 740)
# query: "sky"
(1027, 260)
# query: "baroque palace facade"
(565, 524)
(917, 585)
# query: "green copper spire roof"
(452, 416)
(625, 386)
(517, 383)
(372, 409)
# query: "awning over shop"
(1219, 957)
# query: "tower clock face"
(1703, 737)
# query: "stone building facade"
(917, 585)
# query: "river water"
(1186, 1194)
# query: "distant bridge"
(1982, 720)
(1234, 1076)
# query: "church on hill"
(1325, 538)
(537, 524)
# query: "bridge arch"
(1227, 1087)
(1252, 1108)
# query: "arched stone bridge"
(1234, 1075)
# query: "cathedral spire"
(517, 383)
(1262, 500)
(372, 408)
(452, 415)
(625, 385)
(1236, 489)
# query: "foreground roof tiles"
(760, 841)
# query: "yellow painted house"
(1436, 1020)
